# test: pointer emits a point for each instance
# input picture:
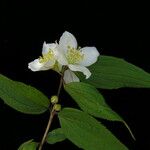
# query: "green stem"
(60, 85)
(52, 114)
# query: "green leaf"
(55, 136)
(91, 101)
(112, 73)
(21, 97)
(86, 132)
(29, 145)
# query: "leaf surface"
(22, 97)
(86, 132)
(55, 136)
(113, 73)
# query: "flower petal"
(82, 69)
(90, 56)
(67, 39)
(69, 76)
(37, 66)
(61, 58)
(47, 47)
(49, 65)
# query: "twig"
(52, 114)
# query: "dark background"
(117, 29)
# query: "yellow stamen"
(47, 57)
(74, 55)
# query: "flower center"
(47, 57)
(74, 55)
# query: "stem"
(52, 114)
(60, 85)
(47, 129)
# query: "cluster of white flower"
(66, 53)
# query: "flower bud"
(57, 107)
(54, 99)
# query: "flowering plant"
(82, 71)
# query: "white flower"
(77, 59)
(66, 53)
(48, 59)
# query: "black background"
(117, 29)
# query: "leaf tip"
(131, 133)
